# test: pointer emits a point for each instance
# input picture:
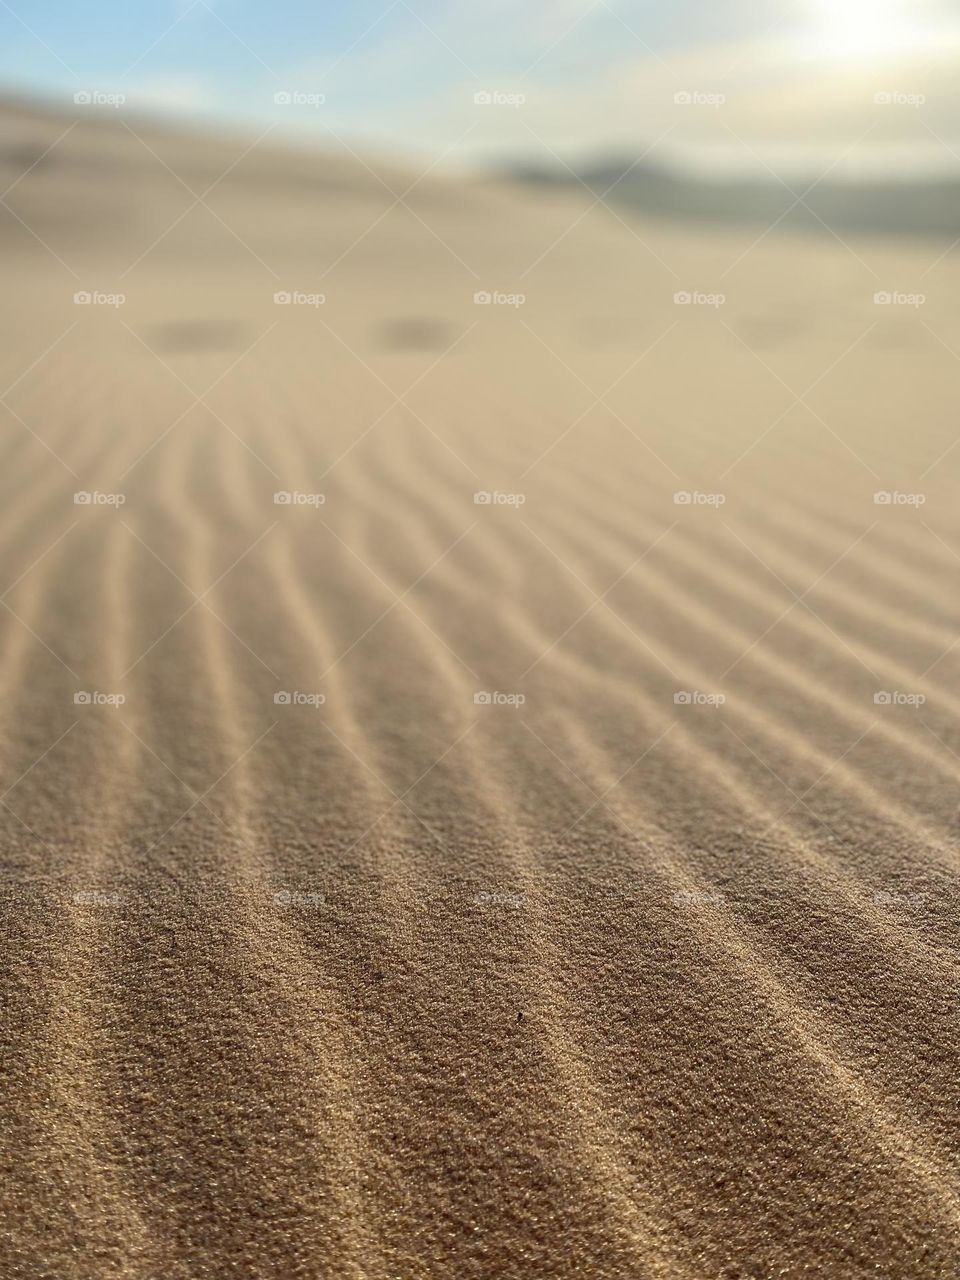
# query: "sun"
(866, 29)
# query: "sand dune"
(319, 966)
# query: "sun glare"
(863, 29)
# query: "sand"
(315, 965)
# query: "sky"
(789, 84)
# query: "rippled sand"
(399, 885)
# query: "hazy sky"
(782, 82)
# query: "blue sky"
(794, 75)
(228, 45)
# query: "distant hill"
(888, 208)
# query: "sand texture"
(382, 982)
